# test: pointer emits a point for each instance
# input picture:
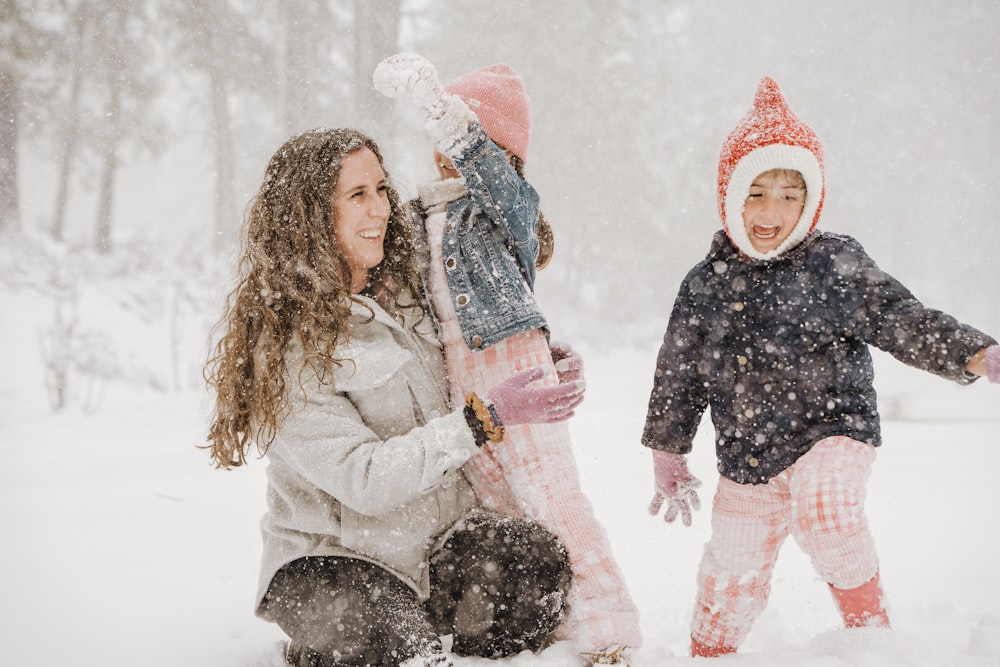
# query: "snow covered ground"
(122, 545)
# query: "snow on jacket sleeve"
(330, 446)
(680, 395)
(383, 435)
(884, 313)
(508, 201)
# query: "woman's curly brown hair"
(295, 281)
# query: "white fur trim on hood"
(758, 161)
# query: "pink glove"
(993, 363)
(514, 402)
(413, 74)
(569, 363)
(676, 485)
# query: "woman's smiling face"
(360, 214)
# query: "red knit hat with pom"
(769, 137)
(496, 94)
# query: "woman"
(375, 545)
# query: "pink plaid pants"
(533, 473)
(819, 500)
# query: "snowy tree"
(214, 39)
(67, 123)
(376, 36)
(89, 96)
(22, 45)
(123, 54)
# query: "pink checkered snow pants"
(819, 500)
(533, 473)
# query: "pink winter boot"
(862, 606)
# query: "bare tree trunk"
(376, 36)
(71, 136)
(297, 94)
(66, 158)
(224, 198)
(10, 107)
(109, 170)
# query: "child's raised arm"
(456, 132)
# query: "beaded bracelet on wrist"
(476, 426)
(484, 416)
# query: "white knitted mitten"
(448, 117)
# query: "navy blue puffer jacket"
(778, 350)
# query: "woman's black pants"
(498, 585)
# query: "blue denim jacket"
(490, 244)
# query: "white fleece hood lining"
(755, 163)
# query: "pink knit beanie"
(769, 137)
(497, 96)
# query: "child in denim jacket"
(486, 240)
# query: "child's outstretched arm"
(882, 312)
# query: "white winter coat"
(368, 466)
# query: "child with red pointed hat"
(771, 333)
(486, 239)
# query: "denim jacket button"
(450, 263)
(462, 299)
(477, 341)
